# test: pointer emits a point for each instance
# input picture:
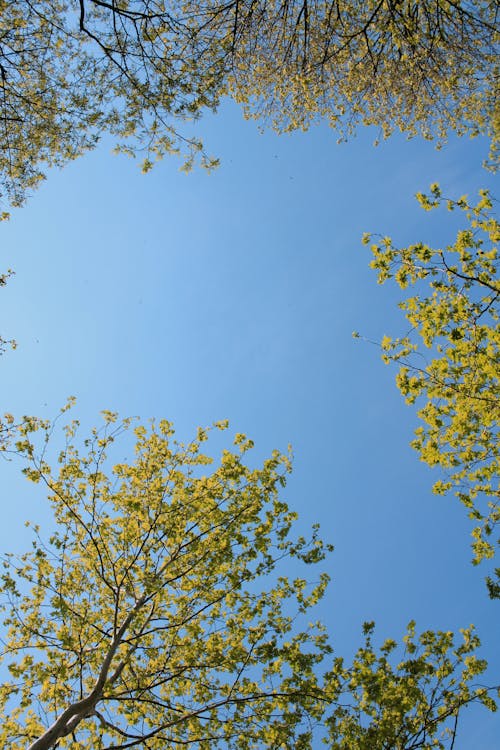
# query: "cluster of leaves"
(71, 70)
(416, 66)
(49, 94)
(157, 614)
(412, 704)
(450, 358)
(140, 622)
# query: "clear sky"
(234, 295)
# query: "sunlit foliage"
(404, 698)
(71, 70)
(154, 615)
(167, 609)
(450, 358)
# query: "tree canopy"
(143, 624)
(167, 605)
(157, 613)
(72, 70)
(450, 358)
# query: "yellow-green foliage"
(450, 360)
(154, 610)
(161, 612)
(408, 697)
(415, 66)
(71, 71)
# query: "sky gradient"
(234, 295)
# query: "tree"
(404, 64)
(156, 614)
(72, 70)
(144, 624)
(450, 359)
(415, 703)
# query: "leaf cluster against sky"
(234, 295)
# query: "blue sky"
(234, 295)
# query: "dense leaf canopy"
(73, 70)
(162, 612)
(142, 623)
